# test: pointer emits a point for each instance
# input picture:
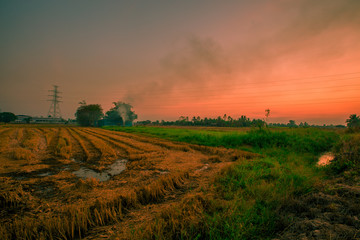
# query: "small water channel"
(114, 169)
(325, 159)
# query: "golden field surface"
(42, 197)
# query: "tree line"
(92, 114)
(225, 121)
(7, 117)
(243, 121)
(122, 114)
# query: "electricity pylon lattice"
(54, 110)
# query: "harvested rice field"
(73, 182)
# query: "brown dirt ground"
(332, 211)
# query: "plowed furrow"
(51, 135)
(121, 150)
(127, 147)
(31, 140)
(43, 132)
(155, 141)
(42, 139)
(19, 136)
(171, 145)
(95, 147)
(14, 137)
(79, 149)
(3, 130)
(53, 138)
(5, 139)
(131, 142)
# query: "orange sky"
(299, 58)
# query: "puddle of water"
(75, 160)
(325, 159)
(206, 166)
(45, 174)
(88, 173)
(117, 167)
(113, 169)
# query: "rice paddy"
(43, 197)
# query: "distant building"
(23, 119)
(47, 120)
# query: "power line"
(54, 110)
(269, 103)
(307, 92)
(257, 84)
(267, 93)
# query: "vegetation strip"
(248, 198)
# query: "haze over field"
(168, 59)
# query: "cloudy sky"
(299, 58)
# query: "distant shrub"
(347, 154)
(353, 123)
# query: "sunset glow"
(300, 59)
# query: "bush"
(347, 154)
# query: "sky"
(206, 58)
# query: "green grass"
(299, 140)
(347, 156)
(248, 195)
(256, 190)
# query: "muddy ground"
(331, 211)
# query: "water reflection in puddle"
(325, 159)
(45, 174)
(88, 173)
(113, 169)
(117, 167)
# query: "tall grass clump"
(347, 155)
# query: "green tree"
(28, 119)
(353, 122)
(291, 124)
(88, 115)
(121, 113)
(7, 117)
(258, 123)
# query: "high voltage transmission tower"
(54, 110)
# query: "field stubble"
(41, 198)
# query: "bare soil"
(332, 211)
